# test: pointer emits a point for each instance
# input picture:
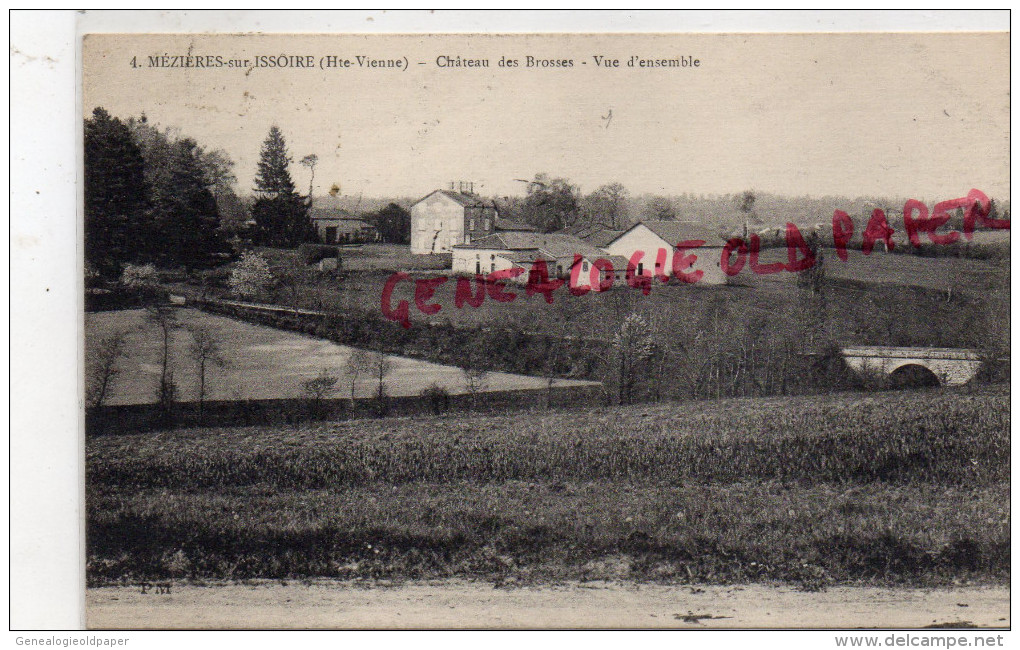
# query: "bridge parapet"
(889, 352)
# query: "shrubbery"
(313, 253)
(251, 277)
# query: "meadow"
(881, 299)
(257, 362)
(887, 488)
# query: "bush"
(436, 399)
(137, 276)
(313, 253)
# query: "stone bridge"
(915, 366)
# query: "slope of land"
(904, 488)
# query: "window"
(467, 239)
(487, 224)
(641, 268)
(493, 267)
(471, 224)
(584, 267)
(331, 234)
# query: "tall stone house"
(448, 218)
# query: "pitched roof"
(464, 198)
(331, 213)
(602, 237)
(675, 232)
(353, 225)
(554, 244)
(594, 234)
(528, 257)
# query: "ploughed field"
(907, 488)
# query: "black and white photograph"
(499, 331)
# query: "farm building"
(448, 218)
(505, 250)
(338, 226)
(650, 236)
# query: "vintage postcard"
(510, 331)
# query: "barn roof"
(594, 234)
(353, 225)
(528, 257)
(674, 232)
(554, 244)
(333, 214)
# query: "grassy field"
(260, 362)
(881, 299)
(892, 488)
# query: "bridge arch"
(913, 375)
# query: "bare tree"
(632, 345)
(360, 362)
(205, 352)
(475, 376)
(310, 161)
(165, 319)
(381, 366)
(103, 369)
(318, 388)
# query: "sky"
(923, 115)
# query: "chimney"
(451, 186)
(471, 187)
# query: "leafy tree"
(551, 204)
(115, 193)
(186, 186)
(280, 213)
(660, 208)
(393, 223)
(607, 206)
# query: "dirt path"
(479, 605)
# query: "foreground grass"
(907, 488)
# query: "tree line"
(153, 196)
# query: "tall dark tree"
(115, 193)
(184, 214)
(182, 224)
(551, 203)
(280, 212)
(393, 223)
